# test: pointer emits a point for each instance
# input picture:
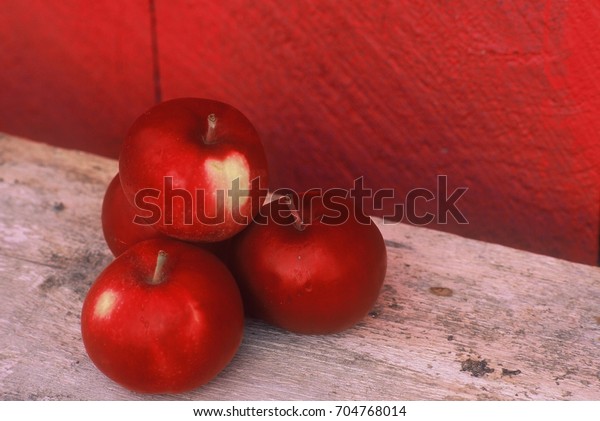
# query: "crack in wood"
(397, 245)
(35, 262)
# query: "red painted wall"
(502, 97)
(74, 73)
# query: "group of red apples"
(198, 247)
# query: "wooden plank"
(456, 319)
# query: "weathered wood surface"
(456, 319)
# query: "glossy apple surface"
(163, 325)
(198, 164)
(315, 279)
(120, 232)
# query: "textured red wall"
(74, 73)
(502, 97)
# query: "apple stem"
(211, 130)
(298, 224)
(161, 259)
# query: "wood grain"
(456, 319)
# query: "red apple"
(120, 232)
(197, 166)
(317, 270)
(163, 317)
